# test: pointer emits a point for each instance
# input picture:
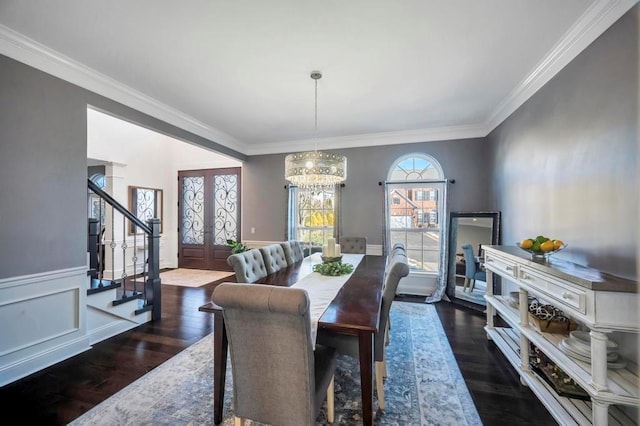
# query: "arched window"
(415, 215)
(99, 179)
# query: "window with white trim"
(417, 180)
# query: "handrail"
(116, 205)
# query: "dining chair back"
(278, 377)
(274, 258)
(353, 245)
(292, 251)
(471, 269)
(249, 266)
(348, 345)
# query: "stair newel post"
(152, 285)
(92, 246)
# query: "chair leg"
(386, 332)
(238, 421)
(384, 363)
(379, 385)
(466, 284)
(473, 284)
(330, 401)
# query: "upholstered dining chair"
(278, 377)
(353, 245)
(274, 258)
(348, 345)
(249, 266)
(292, 251)
(471, 269)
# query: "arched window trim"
(99, 179)
(430, 159)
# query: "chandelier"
(315, 169)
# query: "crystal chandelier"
(315, 169)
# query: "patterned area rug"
(192, 277)
(424, 387)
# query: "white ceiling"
(237, 72)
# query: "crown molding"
(593, 22)
(596, 19)
(23, 49)
(374, 139)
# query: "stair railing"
(98, 249)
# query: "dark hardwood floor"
(60, 393)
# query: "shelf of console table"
(578, 297)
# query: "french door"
(208, 216)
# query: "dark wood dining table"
(354, 311)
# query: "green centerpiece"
(333, 268)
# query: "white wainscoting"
(418, 284)
(43, 321)
(374, 249)
(415, 284)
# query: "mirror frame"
(451, 253)
(141, 210)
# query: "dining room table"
(354, 311)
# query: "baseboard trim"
(27, 366)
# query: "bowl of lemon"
(541, 247)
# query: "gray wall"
(43, 170)
(43, 167)
(265, 198)
(566, 161)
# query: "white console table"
(601, 302)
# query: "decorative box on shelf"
(550, 326)
(549, 319)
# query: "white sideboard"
(600, 302)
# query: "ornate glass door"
(209, 215)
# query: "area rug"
(192, 277)
(424, 387)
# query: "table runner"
(323, 289)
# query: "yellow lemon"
(557, 244)
(547, 246)
(527, 243)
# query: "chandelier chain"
(315, 128)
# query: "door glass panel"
(225, 208)
(193, 210)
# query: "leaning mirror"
(466, 277)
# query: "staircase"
(123, 284)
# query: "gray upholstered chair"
(353, 245)
(398, 246)
(274, 258)
(348, 345)
(278, 377)
(249, 266)
(292, 251)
